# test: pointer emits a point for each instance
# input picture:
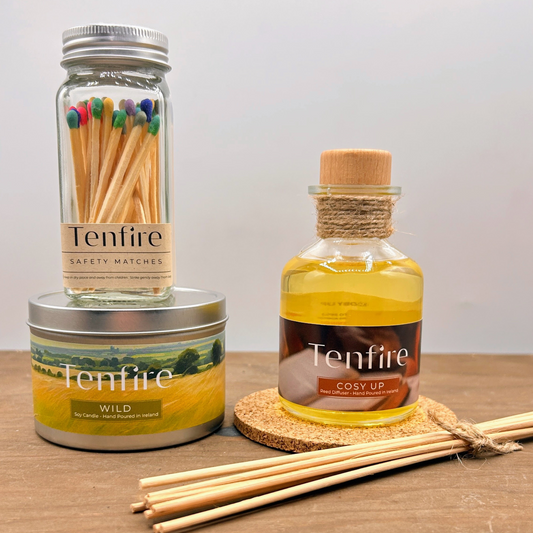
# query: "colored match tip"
(156, 107)
(129, 106)
(154, 125)
(81, 104)
(89, 109)
(140, 119)
(115, 113)
(121, 104)
(73, 119)
(120, 118)
(83, 115)
(109, 106)
(147, 106)
(97, 107)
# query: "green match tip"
(96, 108)
(73, 119)
(120, 119)
(154, 125)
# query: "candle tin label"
(128, 389)
(348, 368)
(114, 256)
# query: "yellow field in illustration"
(188, 401)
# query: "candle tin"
(121, 377)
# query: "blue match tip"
(146, 106)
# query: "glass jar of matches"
(115, 158)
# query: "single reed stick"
(107, 165)
(137, 507)
(96, 111)
(110, 199)
(131, 177)
(386, 445)
(73, 121)
(305, 487)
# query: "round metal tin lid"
(114, 41)
(184, 310)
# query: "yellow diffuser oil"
(351, 304)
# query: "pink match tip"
(83, 115)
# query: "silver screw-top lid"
(102, 42)
(186, 310)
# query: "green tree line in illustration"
(188, 362)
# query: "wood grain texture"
(355, 167)
(46, 488)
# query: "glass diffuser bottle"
(115, 157)
(351, 304)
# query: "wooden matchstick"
(110, 199)
(139, 211)
(107, 165)
(107, 126)
(73, 121)
(144, 190)
(96, 112)
(131, 177)
(82, 110)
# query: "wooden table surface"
(47, 488)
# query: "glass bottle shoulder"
(359, 283)
(342, 256)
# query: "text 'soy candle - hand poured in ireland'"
(115, 149)
(351, 304)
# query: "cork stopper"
(355, 167)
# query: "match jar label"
(115, 256)
(349, 368)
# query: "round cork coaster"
(261, 418)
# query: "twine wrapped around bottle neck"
(354, 217)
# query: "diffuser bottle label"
(116, 256)
(348, 368)
(94, 389)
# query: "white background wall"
(260, 89)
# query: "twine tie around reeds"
(480, 443)
(353, 217)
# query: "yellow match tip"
(109, 106)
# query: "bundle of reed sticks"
(115, 157)
(240, 487)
